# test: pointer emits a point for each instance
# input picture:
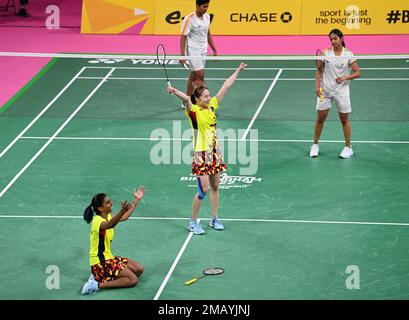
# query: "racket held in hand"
(161, 58)
(319, 65)
(187, 65)
(319, 62)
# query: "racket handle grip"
(169, 85)
(321, 95)
(188, 283)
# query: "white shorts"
(343, 103)
(196, 64)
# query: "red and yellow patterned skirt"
(208, 162)
(110, 269)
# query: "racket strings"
(161, 57)
(213, 271)
(161, 54)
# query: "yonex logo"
(134, 61)
(106, 61)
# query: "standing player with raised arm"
(194, 40)
(207, 158)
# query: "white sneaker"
(216, 224)
(346, 153)
(195, 227)
(314, 151)
(91, 286)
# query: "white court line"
(54, 135)
(174, 264)
(180, 78)
(249, 140)
(227, 219)
(41, 113)
(110, 138)
(123, 57)
(262, 104)
(243, 79)
(80, 217)
(359, 79)
(157, 67)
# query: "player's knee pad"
(202, 194)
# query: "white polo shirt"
(196, 29)
(335, 68)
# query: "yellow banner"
(234, 17)
(251, 17)
(117, 16)
(355, 17)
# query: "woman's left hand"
(170, 90)
(139, 194)
(242, 66)
(340, 79)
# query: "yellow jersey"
(100, 241)
(203, 123)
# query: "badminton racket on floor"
(319, 64)
(206, 272)
(161, 58)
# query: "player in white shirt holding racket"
(194, 41)
(332, 84)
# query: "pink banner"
(70, 14)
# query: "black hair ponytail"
(96, 202)
(88, 214)
(193, 99)
(339, 34)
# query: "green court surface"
(295, 227)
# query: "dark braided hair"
(96, 202)
(339, 34)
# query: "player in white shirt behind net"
(194, 40)
(332, 85)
